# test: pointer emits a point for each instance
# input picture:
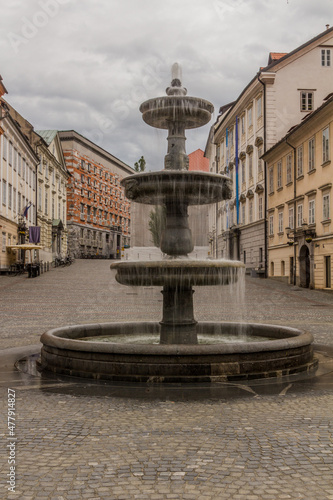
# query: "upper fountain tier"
(176, 112)
(164, 112)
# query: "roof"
(47, 135)
(3, 89)
(283, 56)
(289, 54)
(198, 161)
(275, 56)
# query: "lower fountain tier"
(162, 112)
(177, 272)
(287, 351)
(189, 187)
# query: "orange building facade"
(98, 214)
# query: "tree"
(157, 224)
(140, 166)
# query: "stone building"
(98, 214)
(18, 163)
(278, 96)
(52, 178)
(50, 198)
(300, 228)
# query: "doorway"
(327, 271)
(304, 266)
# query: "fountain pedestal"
(178, 325)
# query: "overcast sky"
(88, 64)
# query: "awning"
(26, 246)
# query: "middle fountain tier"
(176, 188)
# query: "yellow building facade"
(299, 207)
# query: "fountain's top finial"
(176, 81)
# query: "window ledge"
(328, 162)
(289, 183)
(312, 171)
(326, 222)
(271, 193)
(281, 233)
(300, 177)
(279, 189)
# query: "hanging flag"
(25, 210)
(34, 234)
(236, 166)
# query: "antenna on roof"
(327, 26)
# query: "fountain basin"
(177, 272)
(189, 187)
(287, 351)
(192, 112)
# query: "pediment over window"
(249, 149)
(250, 193)
(242, 155)
(259, 188)
(259, 140)
(242, 198)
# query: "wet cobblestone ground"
(82, 440)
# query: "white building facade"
(278, 97)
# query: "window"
(15, 159)
(311, 154)
(259, 107)
(311, 211)
(10, 159)
(4, 192)
(260, 161)
(230, 138)
(299, 215)
(243, 124)
(280, 222)
(19, 202)
(326, 57)
(306, 101)
(291, 218)
(9, 196)
(46, 202)
(299, 161)
(14, 200)
(326, 149)
(326, 207)
(271, 180)
(279, 174)
(243, 171)
(243, 213)
(260, 207)
(3, 242)
(271, 225)
(4, 152)
(249, 117)
(19, 164)
(289, 169)
(52, 208)
(250, 166)
(82, 164)
(39, 198)
(251, 211)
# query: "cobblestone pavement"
(84, 440)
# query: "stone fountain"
(177, 357)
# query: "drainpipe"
(36, 194)
(265, 181)
(295, 216)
